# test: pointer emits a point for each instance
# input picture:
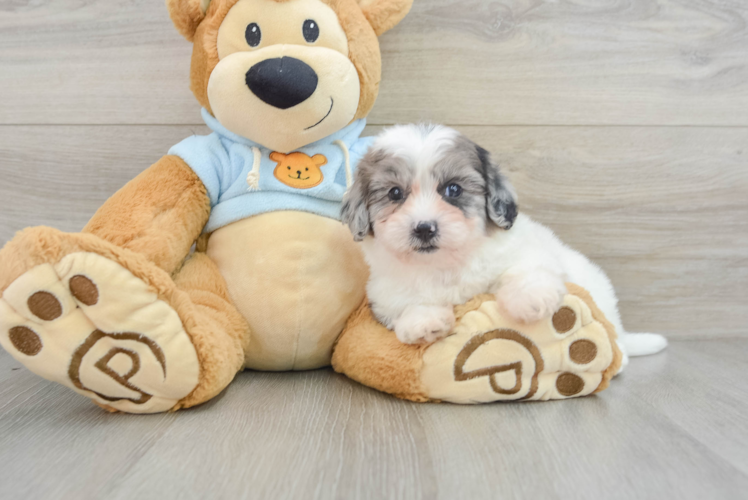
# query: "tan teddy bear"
(125, 314)
(122, 313)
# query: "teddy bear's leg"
(489, 356)
(159, 214)
(372, 355)
(110, 324)
(220, 334)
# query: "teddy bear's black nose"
(282, 82)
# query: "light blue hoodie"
(224, 161)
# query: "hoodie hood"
(244, 178)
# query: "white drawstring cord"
(253, 178)
(347, 156)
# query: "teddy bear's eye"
(306, 169)
(311, 30)
(253, 35)
(289, 168)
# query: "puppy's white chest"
(392, 292)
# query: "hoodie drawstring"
(347, 156)
(253, 178)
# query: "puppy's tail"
(642, 344)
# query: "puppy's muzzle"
(425, 232)
(282, 82)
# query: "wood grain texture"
(662, 210)
(671, 427)
(631, 62)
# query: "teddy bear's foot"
(88, 323)
(492, 357)
(489, 356)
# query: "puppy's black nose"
(282, 82)
(425, 231)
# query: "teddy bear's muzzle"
(282, 82)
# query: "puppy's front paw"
(424, 324)
(532, 297)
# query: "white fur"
(526, 266)
(422, 146)
(419, 324)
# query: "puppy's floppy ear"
(187, 15)
(355, 213)
(383, 15)
(501, 201)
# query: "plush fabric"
(218, 334)
(186, 15)
(363, 51)
(223, 162)
(489, 357)
(363, 47)
(370, 354)
(158, 214)
(383, 16)
(284, 92)
(309, 277)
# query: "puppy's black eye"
(311, 30)
(253, 35)
(396, 194)
(453, 191)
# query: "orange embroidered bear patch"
(298, 170)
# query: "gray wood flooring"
(672, 426)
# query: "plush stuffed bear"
(285, 87)
(127, 315)
(489, 356)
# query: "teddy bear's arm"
(160, 213)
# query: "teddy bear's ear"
(384, 15)
(187, 14)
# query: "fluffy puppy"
(439, 224)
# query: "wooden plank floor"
(673, 426)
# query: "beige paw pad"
(491, 357)
(90, 324)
